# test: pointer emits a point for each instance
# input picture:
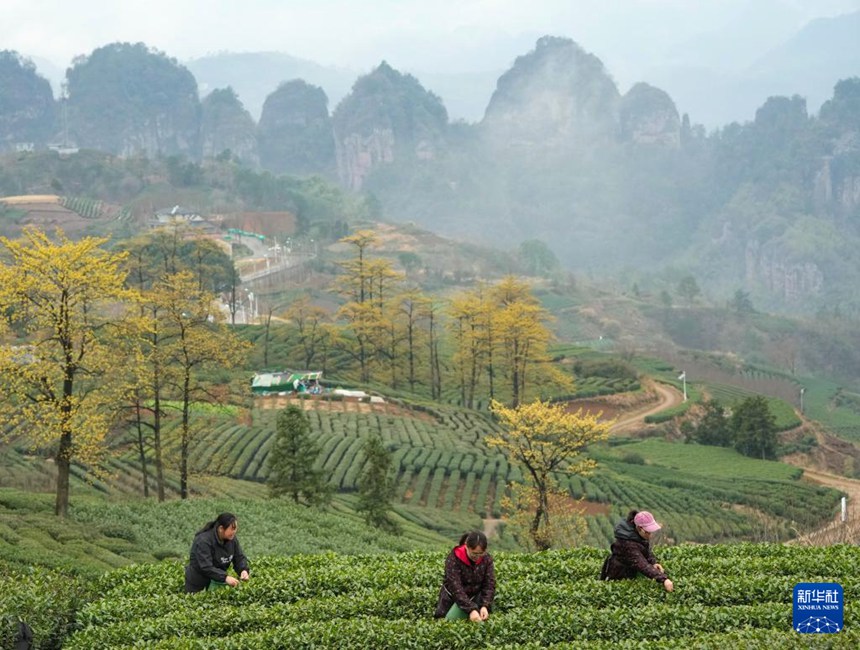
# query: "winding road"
(667, 398)
(835, 531)
(832, 532)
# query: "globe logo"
(817, 607)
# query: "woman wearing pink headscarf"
(631, 551)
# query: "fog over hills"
(615, 173)
(714, 57)
(723, 89)
(718, 77)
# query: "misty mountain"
(717, 90)
(255, 75)
(50, 71)
(389, 117)
(621, 185)
(128, 99)
(809, 64)
(465, 95)
(27, 112)
(295, 131)
(227, 127)
(618, 184)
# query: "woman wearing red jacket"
(631, 551)
(470, 581)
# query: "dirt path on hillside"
(848, 485)
(835, 531)
(667, 398)
(491, 525)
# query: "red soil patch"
(593, 508)
(592, 407)
(341, 406)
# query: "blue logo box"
(817, 607)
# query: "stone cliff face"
(388, 117)
(295, 131)
(647, 115)
(227, 126)
(554, 95)
(836, 187)
(790, 281)
(26, 104)
(357, 155)
(157, 136)
(127, 99)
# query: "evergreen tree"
(713, 429)
(741, 303)
(754, 428)
(291, 462)
(376, 486)
(688, 289)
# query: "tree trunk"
(61, 507)
(515, 378)
(266, 339)
(438, 369)
(542, 542)
(490, 369)
(156, 434)
(411, 338)
(537, 538)
(183, 460)
(432, 337)
(64, 451)
(140, 448)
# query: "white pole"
(685, 385)
(844, 510)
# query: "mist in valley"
(641, 141)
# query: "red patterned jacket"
(471, 585)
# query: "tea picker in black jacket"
(631, 551)
(215, 547)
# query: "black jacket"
(631, 554)
(471, 585)
(210, 559)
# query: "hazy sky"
(428, 35)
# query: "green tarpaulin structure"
(268, 382)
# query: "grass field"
(708, 461)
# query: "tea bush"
(726, 596)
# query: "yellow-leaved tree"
(64, 303)
(196, 345)
(520, 329)
(371, 333)
(544, 438)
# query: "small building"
(287, 380)
(179, 216)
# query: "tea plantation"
(726, 597)
(443, 466)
